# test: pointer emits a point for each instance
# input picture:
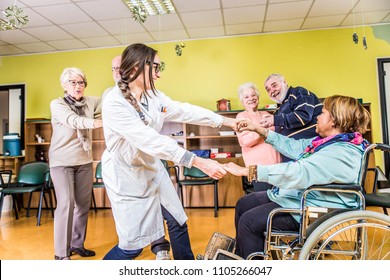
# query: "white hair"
(245, 86)
(72, 71)
(277, 76)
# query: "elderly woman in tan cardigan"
(70, 157)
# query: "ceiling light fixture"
(153, 7)
(14, 18)
(141, 9)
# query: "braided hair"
(134, 59)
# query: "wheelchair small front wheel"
(352, 235)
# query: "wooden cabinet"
(12, 163)
(33, 149)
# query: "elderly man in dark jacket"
(297, 111)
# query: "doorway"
(384, 97)
(12, 113)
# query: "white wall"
(14, 111)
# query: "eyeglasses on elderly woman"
(74, 83)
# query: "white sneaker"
(163, 256)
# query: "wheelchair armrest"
(341, 188)
(335, 187)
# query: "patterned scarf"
(318, 143)
(78, 107)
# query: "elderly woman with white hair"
(70, 156)
(254, 149)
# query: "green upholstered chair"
(98, 183)
(32, 177)
(196, 177)
(5, 182)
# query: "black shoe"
(57, 258)
(82, 252)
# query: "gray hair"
(245, 86)
(277, 76)
(72, 71)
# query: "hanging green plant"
(139, 13)
(355, 38)
(162, 66)
(364, 43)
(15, 18)
(179, 48)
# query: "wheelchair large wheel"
(354, 235)
(281, 249)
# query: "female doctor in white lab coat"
(140, 190)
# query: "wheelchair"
(324, 234)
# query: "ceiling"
(62, 25)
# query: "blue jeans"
(178, 235)
(180, 242)
(117, 253)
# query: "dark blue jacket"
(296, 116)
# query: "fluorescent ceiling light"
(152, 7)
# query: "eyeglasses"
(156, 66)
(115, 69)
(74, 83)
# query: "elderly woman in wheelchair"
(333, 157)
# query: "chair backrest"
(194, 172)
(33, 173)
(365, 165)
(5, 178)
(98, 171)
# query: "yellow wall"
(325, 61)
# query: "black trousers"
(251, 222)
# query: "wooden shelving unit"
(12, 163)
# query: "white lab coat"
(135, 179)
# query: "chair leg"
(94, 201)
(1, 203)
(28, 206)
(44, 199)
(16, 206)
(54, 193)
(51, 203)
(215, 199)
(40, 208)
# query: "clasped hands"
(240, 125)
(216, 170)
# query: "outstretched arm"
(232, 123)
(236, 169)
(211, 167)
